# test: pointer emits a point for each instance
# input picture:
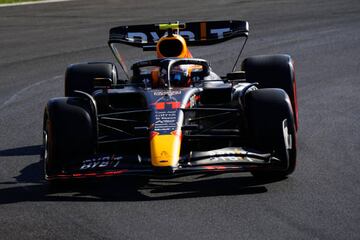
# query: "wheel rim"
(287, 136)
(46, 150)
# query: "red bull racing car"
(173, 115)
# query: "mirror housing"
(102, 82)
(238, 75)
(216, 93)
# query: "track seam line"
(16, 95)
(32, 3)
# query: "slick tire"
(69, 134)
(81, 76)
(273, 71)
(271, 128)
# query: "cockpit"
(170, 72)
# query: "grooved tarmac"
(319, 201)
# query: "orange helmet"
(172, 46)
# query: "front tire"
(69, 133)
(271, 128)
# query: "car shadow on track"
(21, 151)
(30, 186)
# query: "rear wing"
(195, 33)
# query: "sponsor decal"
(143, 37)
(227, 159)
(220, 32)
(163, 105)
(223, 155)
(163, 93)
(233, 151)
(101, 162)
(165, 118)
(165, 121)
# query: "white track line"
(30, 3)
(18, 93)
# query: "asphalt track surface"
(321, 200)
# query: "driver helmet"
(180, 76)
(173, 46)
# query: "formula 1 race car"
(173, 115)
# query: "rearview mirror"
(102, 82)
(238, 75)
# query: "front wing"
(231, 159)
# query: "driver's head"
(172, 46)
(180, 76)
(168, 47)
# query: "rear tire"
(273, 71)
(271, 128)
(69, 133)
(81, 76)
